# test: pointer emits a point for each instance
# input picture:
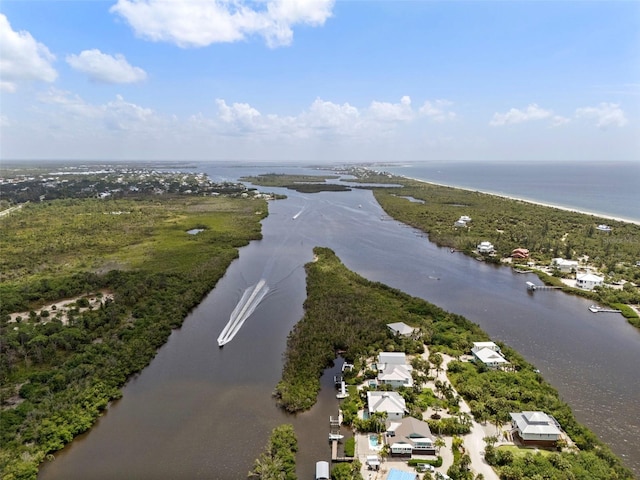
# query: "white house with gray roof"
(396, 376)
(564, 265)
(588, 281)
(390, 402)
(391, 358)
(489, 354)
(401, 328)
(535, 428)
(486, 247)
(393, 370)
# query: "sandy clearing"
(60, 309)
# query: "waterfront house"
(480, 345)
(393, 370)
(489, 354)
(588, 281)
(401, 328)
(396, 376)
(520, 253)
(486, 247)
(564, 265)
(390, 403)
(535, 428)
(391, 358)
(411, 432)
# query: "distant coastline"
(607, 189)
(520, 199)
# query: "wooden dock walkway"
(334, 453)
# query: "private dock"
(334, 424)
(597, 309)
(334, 454)
(533, 287)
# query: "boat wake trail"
(250, 300)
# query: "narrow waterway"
(200, 411)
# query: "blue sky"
(320, 80)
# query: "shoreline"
(519, 199)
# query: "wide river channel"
(203, 412)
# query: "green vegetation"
(300, 183)
(347, 471)
(134, 276)
(350, 447)
(278, 461)
(418, 461)
(345, 312)
(509, 224)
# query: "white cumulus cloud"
(237, 112)
(104, 68)
(70, 103)
(391, 112)
(606, 114)
(198, 23)
(437, 110)
(117, 115)
(22, 58)
(76, 126)
(122, 115)
(532, 112)
(325, 115)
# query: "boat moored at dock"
(598, 309)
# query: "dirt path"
(474, 441)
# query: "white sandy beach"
(526, 200)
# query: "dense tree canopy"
(58, 370)
(347, 313)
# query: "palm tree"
(465, 462)
(491, 440)
(385, 451)
(380, 420)
(464, 418)
(439, 443)
(436, 359)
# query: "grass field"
(66, 236)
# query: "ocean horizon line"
(527, 200)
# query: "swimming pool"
(373, 441)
